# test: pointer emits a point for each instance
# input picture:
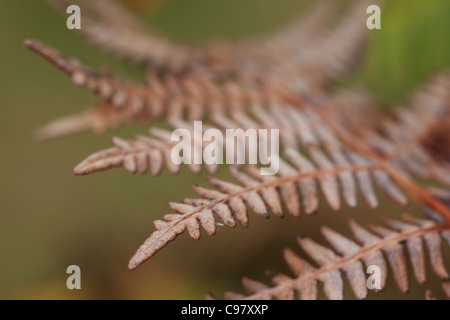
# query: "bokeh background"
(50, 219)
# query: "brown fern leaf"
(291, 39)
(114, 93)
(300, 180)
(355, 109)
(123, 101)
(210, 85)
(297, 129)
(279, 82)
(139, 155)
(98, 120)
(416, 138)
(348, 256)
(434, 138)
(108, 25)
(429, 295)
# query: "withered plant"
(335, 144)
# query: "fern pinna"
(348, 256)
(335, 144)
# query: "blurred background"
(51, 219)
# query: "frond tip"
(348, 256)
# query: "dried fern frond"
(214, 85)
(415, 139)
(114, 94)
(123, 101)
(297, 129)
(380, 246)
(446, 287)
(355, 109)
(108, 25)
(301, 180)
(341, 154)
(98, 120)
(429, 295)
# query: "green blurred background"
(51, 219)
